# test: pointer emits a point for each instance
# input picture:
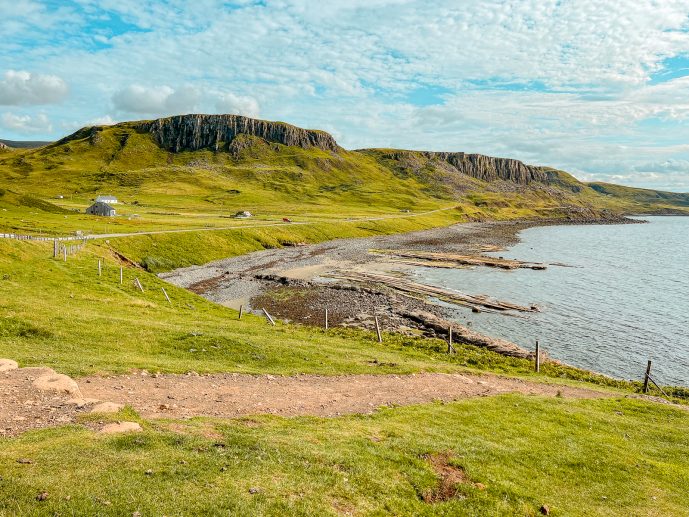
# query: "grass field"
(503, 455)
(512, 454)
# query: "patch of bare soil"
(23, 406)
(233, 395)
(450, 477)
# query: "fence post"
(647, 376)
(241, 311)
(537, 365)
(326, 319)
(272, 322)
(380, 336)
(64, 248)
(55, 249)
(166, 296)
(450, 348)
(120, 275)
(100, 271)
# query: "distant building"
(242, 215)
(99, 208)
(111, 200)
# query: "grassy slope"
(527, 451)
(581, 458)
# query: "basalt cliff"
(194, 132)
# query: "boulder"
(57, 382)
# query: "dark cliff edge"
(479, 166)
(215, 132)
(194, 132)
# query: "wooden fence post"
(450, 347)
(380, 336)
(55, 249)
(100, 271)
(65, 250)
(138, 284)
(120, 275)
(647, 376)
(166, 296)
(326, 319)
(272, 322)
(241, 311)
(537, 364)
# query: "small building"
(242, 215)
(111, 200)
(99, 208)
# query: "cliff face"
(486, 168)
(194, 132)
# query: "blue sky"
(600, 89)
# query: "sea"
(619, 296)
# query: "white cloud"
(237, 105)
(22, 88)
(26, 124)
(158, 100)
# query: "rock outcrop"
(479, 166)
(3, 147)
(194, 132)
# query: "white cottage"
(111, 200)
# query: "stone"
(8, 364)
(106, 407)
(121, 427)
(81, 402)
(57, 382)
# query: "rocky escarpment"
(486, 168)
(3, 147)
(194, 132)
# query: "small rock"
(8, 364)
(106, 407)
(545, 510)
(253, 490)
(136, 514)
(149, 472)
(42, 496)
(121, 427)
(480, 486)
(57, 382)
(25, 461)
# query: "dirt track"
(231, 395)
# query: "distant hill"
(24, 144)
(249, 163)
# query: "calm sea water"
(625, 301)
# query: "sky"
(599, 88)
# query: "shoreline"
(298, 284)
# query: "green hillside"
(201, 188)
(498, 455)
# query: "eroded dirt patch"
(451, 477)
(233, 395)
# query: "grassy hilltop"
(505, 455)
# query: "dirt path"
(232, 395)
